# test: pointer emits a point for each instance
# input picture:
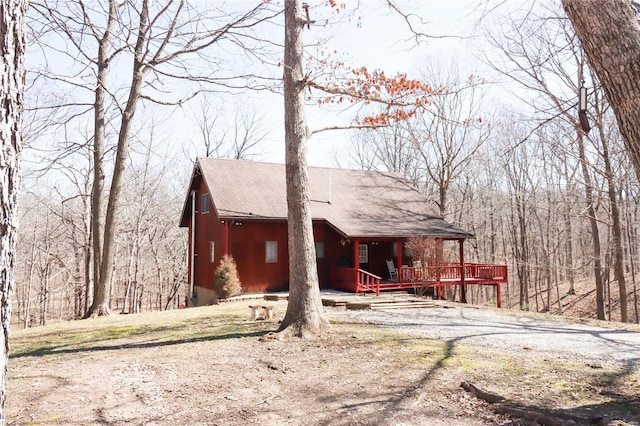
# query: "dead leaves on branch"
(401, 96)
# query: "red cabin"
(361, 221)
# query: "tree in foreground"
(401, 97)
(12, 47)
(609, 32)
(305, 314)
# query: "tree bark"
(100, 305)
(610, 35)
(102, 290)
(12, 74)
(305, 315)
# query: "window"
(363, 253)
(204, 208)
(320, 249)
(212, 247)
(271, 252)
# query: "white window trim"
(363, 254)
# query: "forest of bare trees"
(558, 205)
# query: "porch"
(415, 278)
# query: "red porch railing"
(443, 275)
(453, 271)
(345, 278)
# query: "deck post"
(498, 300)
(439, 257)
(463, 288)
(399, 260)
(356, 262)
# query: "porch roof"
(357, 203)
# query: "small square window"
(320, 249)
(206, 202)
(271, 252)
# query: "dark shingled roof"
(357, 203)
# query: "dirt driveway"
(550, 339)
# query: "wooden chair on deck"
(417, 271)
(393, 271)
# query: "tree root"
(537, 415)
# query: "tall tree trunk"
(569, 237)
(616, 228)
(32, 269)
(100, 305)
(305, 314)
(102, 286)
(12, 74)
(595, 233)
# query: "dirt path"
(511, 334)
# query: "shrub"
(227, 281)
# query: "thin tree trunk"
(631, 236)
(595, 233)
(32, 268)
(305, 314)
(616, 226)
(569, 241)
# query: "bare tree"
(12, 49)
(162, 38)
(388, 148)
(222, 138)
(538, 61)
(448, 136)
(305, 314)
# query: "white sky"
(379, 39)
(375, 37)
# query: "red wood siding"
(208, 229)
(248, 248)
(247, 240)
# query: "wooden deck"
(419, 279)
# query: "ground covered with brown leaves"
(209, 366)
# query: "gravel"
(548, 339)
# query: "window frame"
(271, 251)
(319, 246)
(363, 254)
(205, 203)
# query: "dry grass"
(208, 366)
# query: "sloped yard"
(208, 366)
